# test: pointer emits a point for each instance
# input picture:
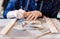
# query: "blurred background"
(3, 4)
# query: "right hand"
(20, 14)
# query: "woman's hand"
(20, 14)
(33, 15)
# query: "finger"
(25, 14)
(28, 13)
(29, 17)
(20, 15)
(35, 18)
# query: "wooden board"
(42, 34)
(28, 24)
(39, 33)
(8, 27)
(57, 24)
(51, 25)
(33, 22)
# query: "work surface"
(18, 32)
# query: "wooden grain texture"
(8, 27)
(33, 22)
(44, 33)
(57, 24)
(51, 25)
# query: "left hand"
(33, 15)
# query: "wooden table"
(21, 34)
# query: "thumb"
(19, 15)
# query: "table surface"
(26, 33)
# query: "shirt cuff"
(13, 14)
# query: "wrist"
(12, 14)
(20, 14)
(21, 11)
